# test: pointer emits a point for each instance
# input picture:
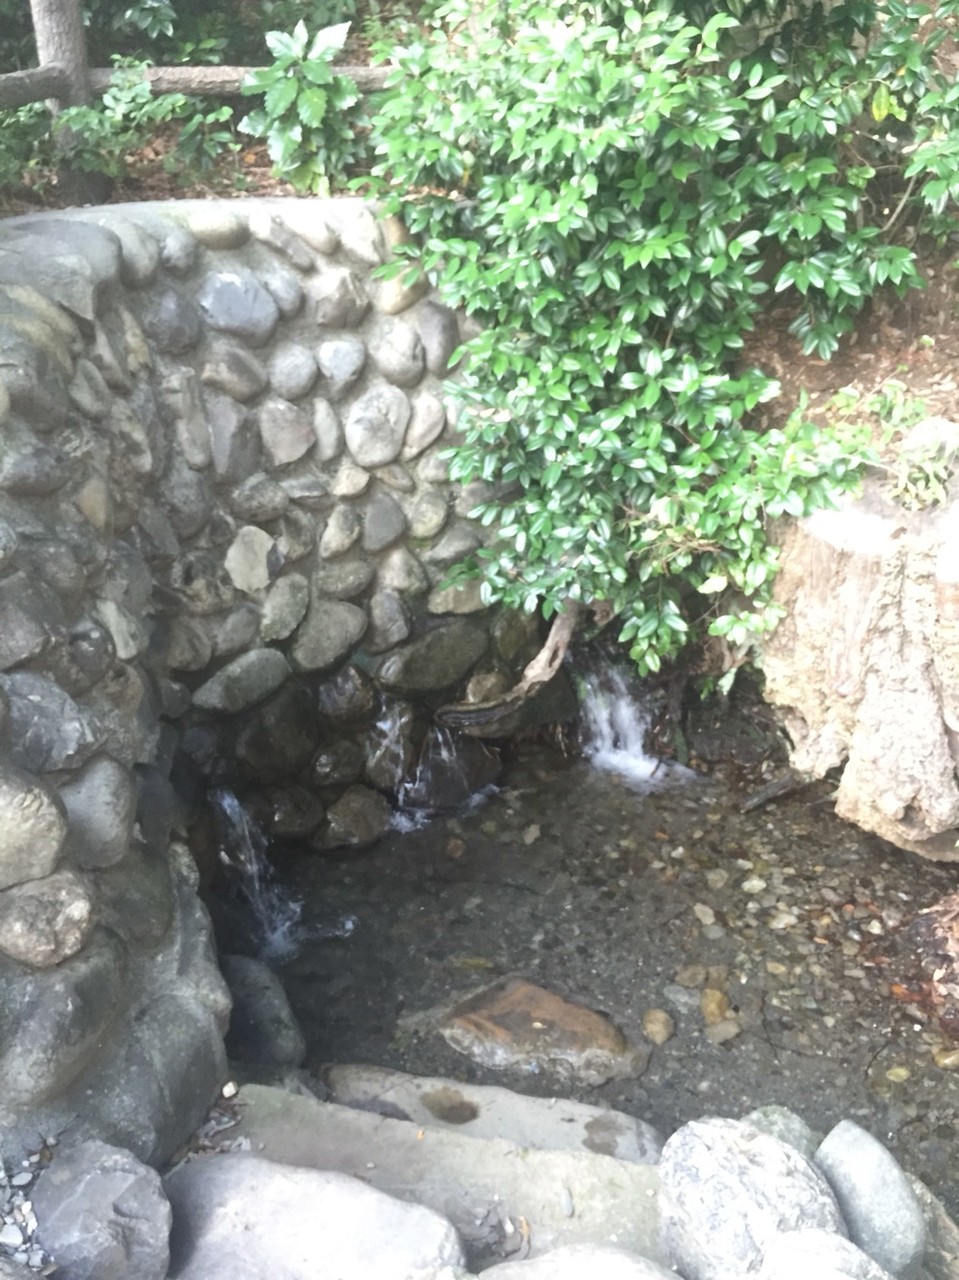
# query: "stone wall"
(225, 520)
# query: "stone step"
(487, 1111)
(505, 1199)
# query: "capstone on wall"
(225, 521)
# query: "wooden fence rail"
(53, 81)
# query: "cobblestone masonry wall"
(224, 523)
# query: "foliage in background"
(614, 190)
(101, 137)
(312, 118)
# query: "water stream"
(770, 938)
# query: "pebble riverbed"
(757, 956)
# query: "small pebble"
(658, 1026)
(898, 1074)
(11, 1237)
(703, 913)
(714, 1006)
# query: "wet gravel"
(758, 956)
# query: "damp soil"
(773, 939)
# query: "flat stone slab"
(515, 1023)
(484, 1111)
(240, 1217)
(504, 1199)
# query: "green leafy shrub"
(310, 115)
(101, 137)
(612, 190)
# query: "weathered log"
(537, 673)
(864, 668)
(52, 80)
(20, 87)
(224, 82)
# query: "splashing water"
(616, 726)
(277, 916)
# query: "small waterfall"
(277, 917)
(616, 725)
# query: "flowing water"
(770, 939)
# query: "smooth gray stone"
(33, 826)
(262, 1026)
(284, 288)
(201, 581)
(337, 764)
(284, 607)
(581, 1262)
(171, 320)
(389, 623)
(186, 497)
(727, 1189)
(427, 420)
(328, 431)
(252, 559)
(178, 249)
(273, 231)
(47, 729)
(232, 369)
(182, 407)
(880, 1208)
(383, 522)
(236, 630)
(139, 250)
(66, 261)
(277, 738)
(233, 301)
(240, 1217)
(89, 392)
(376, 426)
(398, 354)
(103, 1214)
(440, 335)
(341, 362)
(435, 660)
(235, 448)
(44, 922)
(781, 1123)
(31, 619)
(358, 819)
(340, 300)
(293, 370)
(343, 530)
(811, 1252)
(243, 682)
(34, 471)
(259, 498)
(100, 800)
(70, 1006)
(286, 430)
(217, 224)
(343, 578)
(328, 633)
(348, 695)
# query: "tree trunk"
(58, 31)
